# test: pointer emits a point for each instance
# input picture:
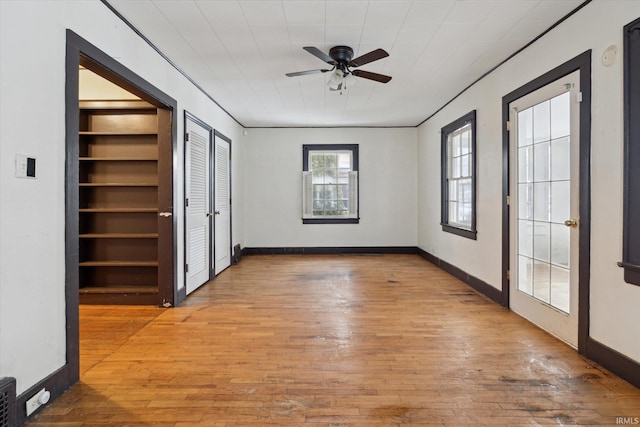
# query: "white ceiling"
(239, 51)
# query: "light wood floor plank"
(331, 340)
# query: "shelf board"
(117, 159)
(119, 290)
(117, 184)
(119, 236)
(115, 104)
(118, 210)
(119, 264)
(116, 133)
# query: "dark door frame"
(80, 52)
(582, 63)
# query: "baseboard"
(481, 286)
(321, 250)
(56, 383)
(182, 295)
(618, 363)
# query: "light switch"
(25, 166)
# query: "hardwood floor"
(329, 341)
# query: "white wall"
(614, 304)
(273, 197)
(32, 122)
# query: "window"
(631, 228)
(458, 176)
(330, 184)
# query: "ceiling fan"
(341, 58)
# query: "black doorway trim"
(582, 63)
(78, 50)
(631, 227)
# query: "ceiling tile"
(304, 13)
(240, 50)
(263, 12)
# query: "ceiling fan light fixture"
(336, 80)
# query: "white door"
(544, 207)
(222, 205)
(198, 205)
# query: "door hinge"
(508, 274)
(186, 136)
(508, 125)
(508, 200)
(579, 97)
(186, 268)
(186, 202)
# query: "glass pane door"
(544, 201)
(544, 187)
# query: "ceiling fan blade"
(320, 54)
(371, 76)
(304, 73)
(374, 55)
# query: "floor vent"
(8, 402)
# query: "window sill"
(631, 273)
(330, 220)
(469, 234)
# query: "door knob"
(571, 223)
(217, 212)
(208, 214)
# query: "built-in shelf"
(119, 290)
(118, 159)
(118, 210)
(115, 133)
(119, 236)
(118, 184)
(119, 264)
(118, 174)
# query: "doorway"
(544, 165)
(546, 210)
(81, 52)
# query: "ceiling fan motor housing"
(342, 55)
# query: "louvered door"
(198, 205)
(222, 204)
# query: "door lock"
(571, 223)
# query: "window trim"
(306, 148)
(630, 228)
(470, 233)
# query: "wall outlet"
(38, 399)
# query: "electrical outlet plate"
(34, 403)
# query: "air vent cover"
(7, 402)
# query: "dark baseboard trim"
(481, 286)
(182, 295)
(618, 363)
(57, 383)
(331, 250)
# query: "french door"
(544, 207)
(198, 205)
